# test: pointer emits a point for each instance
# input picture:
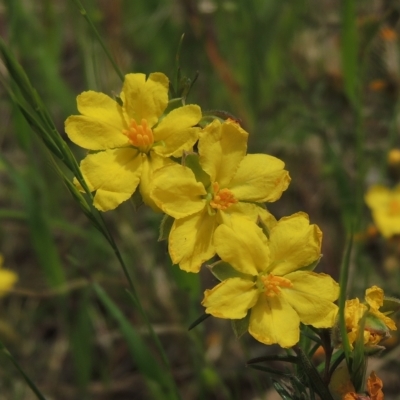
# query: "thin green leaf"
(198, 321)
(273, 357)
(312, 374)
(269, 370)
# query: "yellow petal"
(100, 107)
(243, 245)
(114, 174)
(190, 241)
(222, 148)
(252, 211)
(260, 178)
(94, 134)
(312, 297)
(151, 163)
(177, 132)
(377, 197)
(294, 244)
(145, 99)
(374, 297)
(174, 190)
(230, 299)
(273, 320)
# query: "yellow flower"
(393, 158)
(273, 280)
(131, 140)
(385, 206)
(377, 324)
(230, 182)
(7, 278)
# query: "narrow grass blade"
(157, 378)
(30, 383)
(98, 37)
(349, 50)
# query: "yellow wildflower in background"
(385, 206)
(236, 182)
(131, 140)
(7, 278)
(273, 281)
(393, 158)
(377, 324)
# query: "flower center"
(394, 207)
(273, 284)
(141, 136)
(222, 198)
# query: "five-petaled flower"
(229, 183)
(130, 141)
(272, 279)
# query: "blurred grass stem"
(85, 15)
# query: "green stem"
(344, 273)
(98, 37)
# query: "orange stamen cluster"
(274, 283)
(223, 198)
(141, 136)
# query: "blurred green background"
(315, 82)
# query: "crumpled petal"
(114, 174)
(151, 163)
(374, 297)
(190, 241)
(222, 148)
(243, 245)
(259, 178)
(231, 299)
(312, 297)
(174, 190)
(177, 131)
(101, 124)
(294, 244)
(374, 387)
(145, 99)
(273, 320)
